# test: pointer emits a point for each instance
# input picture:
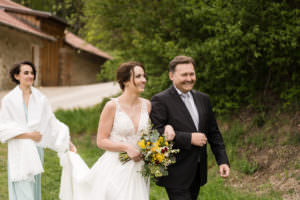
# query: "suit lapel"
(181, 107)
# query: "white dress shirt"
(188, 100)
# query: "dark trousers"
(190, 193)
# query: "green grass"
(216, 188)
(82, 120)
(235, 148)
(3, 172)
(83, 125)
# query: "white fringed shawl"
(23, 159)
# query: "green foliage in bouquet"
(158, 153)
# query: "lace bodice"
(123, 128)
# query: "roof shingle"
(71, 39)
(11, 4)
(11, 21)
(78, 43)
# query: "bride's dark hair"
(125, 70)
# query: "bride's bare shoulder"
(110, 106)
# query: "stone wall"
(79, 68)
(65, 55)
(15, 46)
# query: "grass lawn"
(216, 189)
(83, 125)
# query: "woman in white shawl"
(28, 125)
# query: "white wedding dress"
(109, 179)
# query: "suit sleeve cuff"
(183, 140)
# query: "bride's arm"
(104, 129)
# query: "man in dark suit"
(190, 114)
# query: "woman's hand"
(169, 132)
(133, 153)
(35, 136)
(72, 147)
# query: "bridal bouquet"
(157, 153)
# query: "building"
(61, 57)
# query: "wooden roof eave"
(28, 32)
(37, 13)
(89, 52)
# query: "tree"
(69, 10)
(242, 48)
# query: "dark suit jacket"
(168, 108)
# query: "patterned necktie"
(192, 111)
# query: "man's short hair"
(180, 60)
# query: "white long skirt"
(108, 179)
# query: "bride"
(120, 125)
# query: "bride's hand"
(133, 153)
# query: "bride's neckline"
(136, 128)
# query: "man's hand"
(169, 132)
(199, 139)
(224, 170)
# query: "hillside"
(264, 150)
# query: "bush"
(242, 48)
